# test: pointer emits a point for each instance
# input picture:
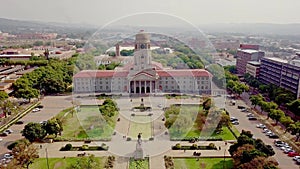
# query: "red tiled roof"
(101, 73)
(161, 73)
(184, 72)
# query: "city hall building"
(143, 76)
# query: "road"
(52, 105)
(284, 161)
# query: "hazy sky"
(100, 12)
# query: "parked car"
(252, 118)
(8, 156)
(43, 122)
(265, 130)
(261, 126)
(298, 161)
(40, 106)
(250, 115)
(20, 122)
(273, 136)
(245, 110)
(279, 143)
(232, 119)
(295, 158)
(1, 139)
(235, 122)
(241, 107)
(288, 150)
(293, 154)
(36, 110)
(4, 134)
(9, 131)
(269, 133)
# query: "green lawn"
(184, 120)
(226, 134)
(60, 163)
(88, 123)
(140, 124)
(207, 163)
(139, 164)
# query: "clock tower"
(142, 52)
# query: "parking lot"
(285, 162)
(51, 106)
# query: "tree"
(256, 99)
(295, 129)
(53, 126)
(9, 107)
(24, 155)
(267, 106)
(286, 121)
(34, 131)
(294, 107)
(207, 104)
(26, 93)
(3, 95)
(276, 114)
(224, 121)
(284, 98)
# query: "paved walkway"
(123, 149)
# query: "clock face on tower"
(143, 46)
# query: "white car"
(1, 139)
(235, 122)
(9, 131)
(36, 110)
(250, 115)
(261, 126)
(296, 158)
(8, 156)
(265, 130)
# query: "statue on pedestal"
(139, 154)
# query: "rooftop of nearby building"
(277, 59)
(250, 51)
(254, 63)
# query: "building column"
(140, 87)
(150, 87)
(145, 86)
(134, 87)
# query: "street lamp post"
(224, 159)
(47, 158)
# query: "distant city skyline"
(197, 12)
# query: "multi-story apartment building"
(281, 73)
(253, 68)
(245, 54)
(143, 76)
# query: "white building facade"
(143, 76)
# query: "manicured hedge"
(211, 146)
